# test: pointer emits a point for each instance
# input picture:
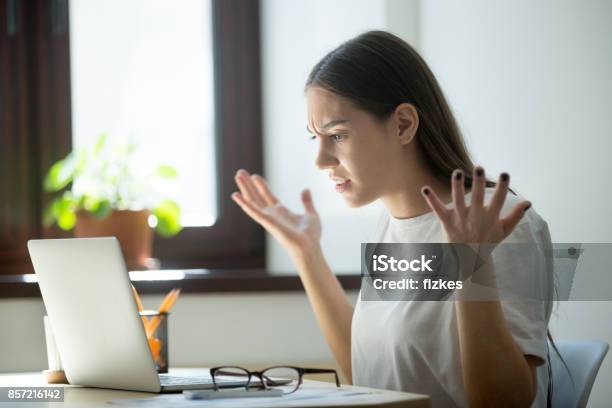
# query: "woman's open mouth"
(341, 187)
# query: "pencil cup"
(156, 328)
(55, 372)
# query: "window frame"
(35, 125)
(234, 241)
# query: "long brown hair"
(377, 71)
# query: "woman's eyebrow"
(329, 124)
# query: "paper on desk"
(300, 398)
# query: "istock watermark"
(507, 271)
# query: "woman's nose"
(325, 160)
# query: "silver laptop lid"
(86, 290)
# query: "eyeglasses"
(286, 378)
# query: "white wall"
(531, 86)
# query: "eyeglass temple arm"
(322, 371)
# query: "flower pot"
(131, 229)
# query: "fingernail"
(479, 171)
(505, 177)
(458, 175)
(528, 207)
(426, 191)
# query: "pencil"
(165, 306)
(139, 304)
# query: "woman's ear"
(407, 120)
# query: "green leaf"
(104, 208)
(98, 207)
(51, 183)
(61, 210)
(81, 162)
(100, 143)
(165, 171)
(131, 148)
(90, 203)
(48, 216)
(66, 220)
(168, 216)
(79, 202)
(60, 174)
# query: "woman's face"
(363, 156)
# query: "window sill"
(189, 281)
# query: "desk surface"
(82, 396)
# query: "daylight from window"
(142, 71)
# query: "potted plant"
(99, 192)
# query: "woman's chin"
(356, 201)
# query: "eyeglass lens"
(286, 379)
(233, 374)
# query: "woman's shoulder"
(381, 226)
(531, 223)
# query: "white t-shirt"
(413, 346)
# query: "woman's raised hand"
(477, 222)
(296, 232)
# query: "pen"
(240, 393)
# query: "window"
(36, 125)
(143, 71)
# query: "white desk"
(90, 397)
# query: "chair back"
(583, 358)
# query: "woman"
(386, 132)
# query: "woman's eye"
(336, 137)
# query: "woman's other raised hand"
(477, 222)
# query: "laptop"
(99, 334)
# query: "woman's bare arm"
(300, 235)
(330, 305)
(495, 370)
